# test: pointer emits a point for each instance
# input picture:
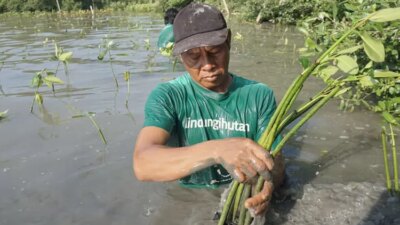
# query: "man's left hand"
(260, 202)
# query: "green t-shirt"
(166, 36)
(193, 114)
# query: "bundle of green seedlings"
(336, 56)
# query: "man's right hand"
(243, 158)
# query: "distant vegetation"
(286, 11)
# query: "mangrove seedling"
(62, 57)
(167, 51)
(91, 116)
(40, 78)
(127, 78)
(147, 44)
(3, 114)
(105, 48)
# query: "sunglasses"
(196, 57)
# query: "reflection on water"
(54, 169)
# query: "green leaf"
(385, 15)
(3, 114)
(79, 116)
(367, 81)
(347, 64)
(327, 72)
(389, 117)
(36, 81)
(311, 44)
(382, 105)
(304, 61)
(395, 100)
(373, 47)
(65, 56)
(102, 54)
(385, 74)
(369, 65)
(127, 75)
(304, 31)
(350, 79)
(350, 50)
(342, 91)
(39, 98)
(53, 80)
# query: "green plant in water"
(168, 52)
(127, 78)
(147, 44)
(91, 116)
(3, 114)
(64, 58)
(105, 48)
(326, 65)
(40, 78)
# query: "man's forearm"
(162, 163)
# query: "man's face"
(208, 66)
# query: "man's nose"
(207, 62)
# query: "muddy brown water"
(54, 169)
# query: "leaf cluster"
(370, 57)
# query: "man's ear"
(228, 38)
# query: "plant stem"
(228, 202)
(243, 210)
(394, 155)
(98, 129)
(238, 196)
(385, 160)
(112, 69)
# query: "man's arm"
(154, 161)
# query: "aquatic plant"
(64, 58)
(40, 78)
(147, 44)
(90, 116)
(168, 52)
(3, 114)
(331, 60)
(127, 78)
(105, 48)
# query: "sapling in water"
(64, 58)
(91, 116)
(167, 51)
(3, 114)
(40, 78)
(105, 48)
(127, 78)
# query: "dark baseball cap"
(198, 25)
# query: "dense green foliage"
(376, 80)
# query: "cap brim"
(201, 40)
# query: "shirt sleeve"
(159, 110)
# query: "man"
(215, 116)
(166, 35)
